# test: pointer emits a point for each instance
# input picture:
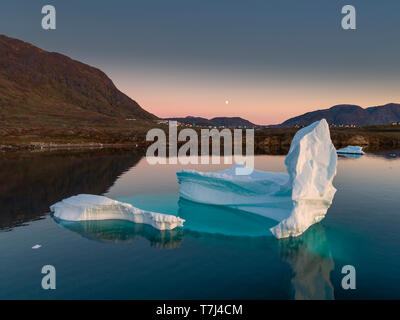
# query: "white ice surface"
(351, 150)
(296, 199)
(91, 207)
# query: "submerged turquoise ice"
(214, 220)
(220, 253)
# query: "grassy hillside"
(47, 89)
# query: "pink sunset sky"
(260, 100)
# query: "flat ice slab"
(351, 150)
(296, 199)
(91, 207)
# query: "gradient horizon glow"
(271, 60)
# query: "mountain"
(38, 87)
(349, 114)
(193, 120)
(230, 122)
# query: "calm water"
(219, 254)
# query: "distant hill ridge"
(218, 121)
(349, 114)
(38, 87)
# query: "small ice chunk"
(91, 207)
(351, 150)
(36, 246)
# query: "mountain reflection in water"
(32, 181)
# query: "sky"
(263, 60)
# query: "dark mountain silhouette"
(349, 114)
(38, 87)
(218, 121)
(193, 120)
(232, 122)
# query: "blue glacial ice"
(351, 150)
(296, 199)
(86, 207)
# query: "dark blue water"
(219, 254)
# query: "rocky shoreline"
(374, 138)
(66, 146)
(274, 140)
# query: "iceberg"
(86, 207)
(351, 150)
(296, 199)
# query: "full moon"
(226, 101)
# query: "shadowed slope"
(45, 88)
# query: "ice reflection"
(124, 231)
(310, 259)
